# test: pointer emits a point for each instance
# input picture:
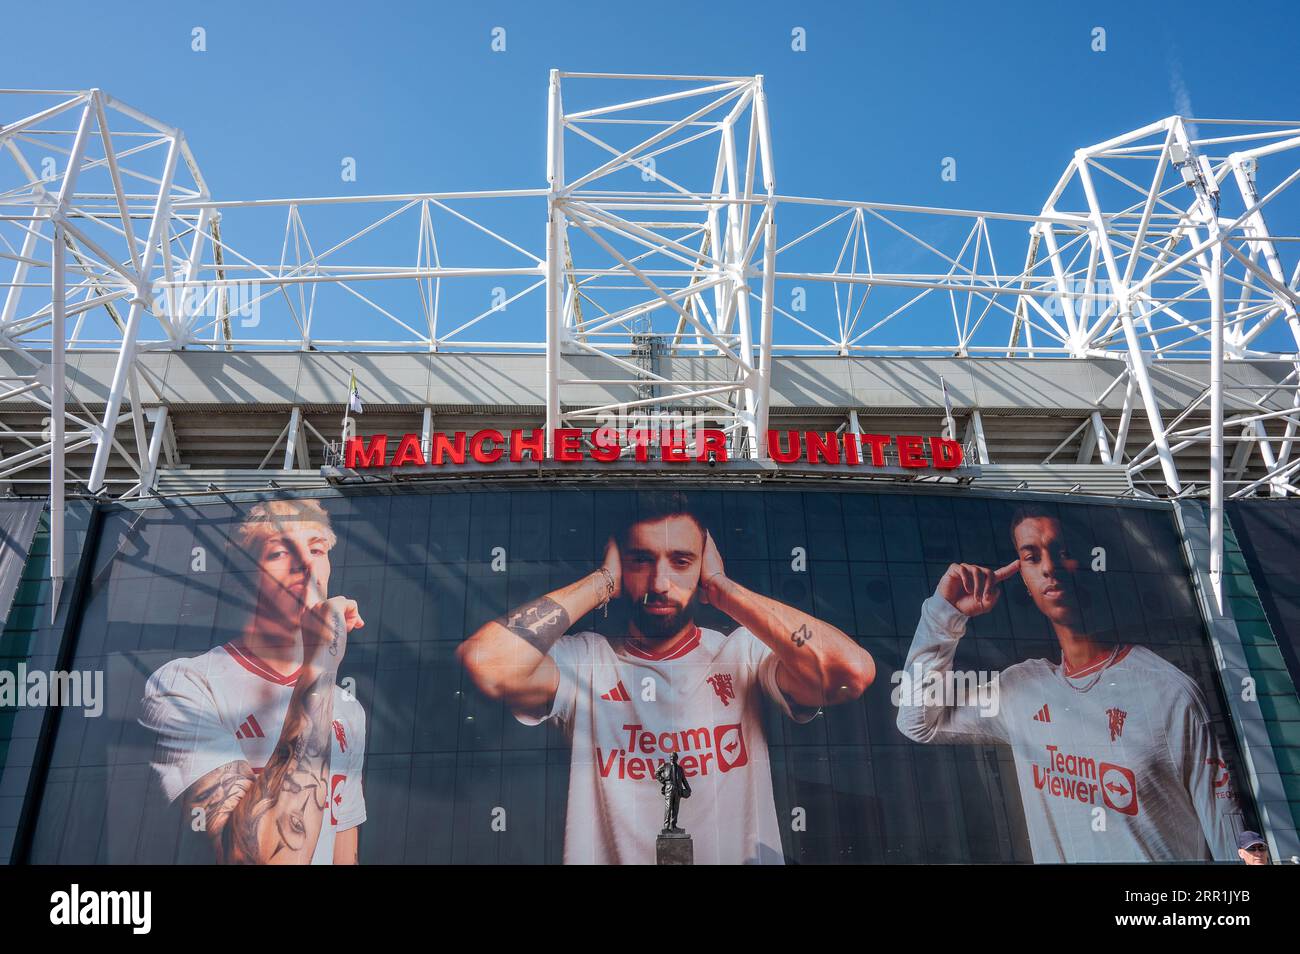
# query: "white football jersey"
(1116, 763)
(227, 705)
(626, 711)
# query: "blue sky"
(882, 94)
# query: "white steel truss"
(660, 247)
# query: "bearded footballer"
(667, 686)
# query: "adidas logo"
(617, 694)
(1043, 715)
(250, 729)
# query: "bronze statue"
(673, 784)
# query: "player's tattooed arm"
(507, 657)
(539, 623)
(819, 664)
(274, 817)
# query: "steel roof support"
(149, 478)
(675, 245)
(56, 369)
(1216, 418)
(554, 253)
(1137, 355)
(143, 287)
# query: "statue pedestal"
(674, 848)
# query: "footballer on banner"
(255, 736)
(667, 687)
(1113, 746)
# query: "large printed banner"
(1267, 531)
(497, 675)
(18, 522)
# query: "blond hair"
(273, 517)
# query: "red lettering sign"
(358, 454)
(409, 451)
(909, 451)
(605, 445)
(441, 449)
(486, 455)
(946, 454)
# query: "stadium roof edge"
(487, 383)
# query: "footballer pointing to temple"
(1113, 746)
(629, 703)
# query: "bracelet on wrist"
(608, 592)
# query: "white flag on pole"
(354, 397)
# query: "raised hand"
(974, 590)
(325, 627)
(711, 568)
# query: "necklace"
(1095, 679)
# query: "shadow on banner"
(18, 522)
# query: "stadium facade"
(1121, 375)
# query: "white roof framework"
(664, 240)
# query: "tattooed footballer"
(668, 687)
(254, 735)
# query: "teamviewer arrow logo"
(729, 744)
(336, 796)
(1118, 788)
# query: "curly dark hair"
(1030, 512)
(660, 505)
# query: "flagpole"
(347, 408)
(950, 426)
